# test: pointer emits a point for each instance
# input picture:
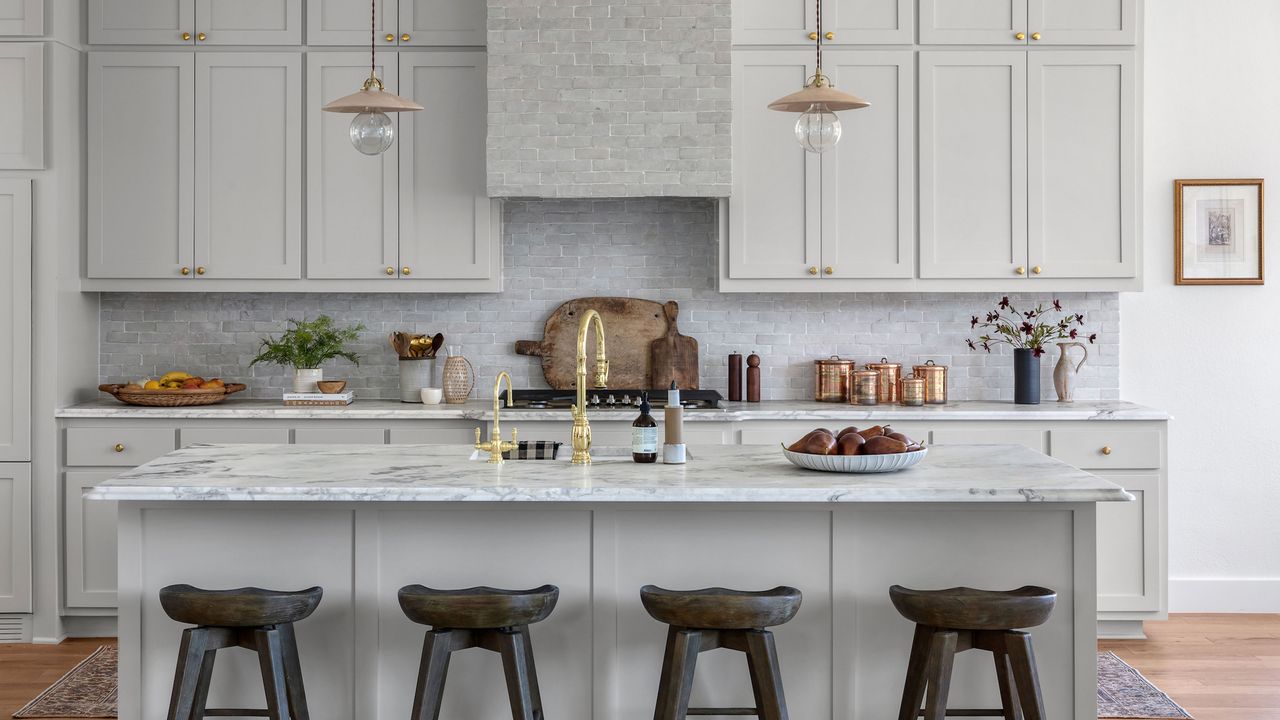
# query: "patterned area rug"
(1124, 693)
(88, 690)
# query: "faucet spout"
(495, 447)
(582, 428)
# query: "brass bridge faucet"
(495, 447)
(581, 428)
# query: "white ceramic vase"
(305, 379)
(1064, 373)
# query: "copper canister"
(889, 374)
(866, 387)
(831, 379)
(911, 391)
(935, 382)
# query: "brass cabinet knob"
(405, 271)
(828, 270)
(1106, 450)
(1035, 36)
(391, 270)
(813, 270)
(1020, 270)
(831, 36)
(186, 36)
(1020, 36)
(391, 37)
(185, 270)
(119, 447)
(813, 36)
(200, 270)
(404, 37)
(1036, 270)
(201, 36)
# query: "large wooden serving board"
(630, 327)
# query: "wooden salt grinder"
(753, 378)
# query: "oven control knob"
(611, 400)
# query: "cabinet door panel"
(352, 228)
(775, 214)
(868, 180)
(870, 22)
(973, 22)
(15, 537)
(248, 187)
(22, 113)
(250, 22)
(141, 22)
(15, 320)
(973, 166)
(141, 164)
(22, 17)
(1082, 159)
(772, 22)
(1129, 547)
(445, 216)
(340, 436)
(342, 22)
(1084, 22)
(442, 22)
(91, 543)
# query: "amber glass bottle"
(644, 435)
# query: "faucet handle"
(602, 372)
(515, 436)
(478, 438)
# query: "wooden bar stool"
(251, 618)
(959, 619)
(701, 620)
(483, 617)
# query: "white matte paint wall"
(1212, 111)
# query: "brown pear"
(850, 444)
(846, 431)
(818, 442)
(872, 432)
(900, 436)
(883, 446)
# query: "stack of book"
(318, 399)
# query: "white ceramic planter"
(305, 379)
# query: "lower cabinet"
(90, 542)
(15, 537)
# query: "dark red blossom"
(1080, 319)
(1028, 328)
(1093, 337)
(974, 322)
(971, 345)
(1073, 334)
(1037, 351)
(1057, 304)
(1004, 303)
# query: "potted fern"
(305, 346)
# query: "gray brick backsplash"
(554, 250)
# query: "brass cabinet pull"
(828, 270)
(405, 271)
(391, 37)
(185, 270)
(186, 36)
(813, 36)
(391, 270)
(1020, 36)
(201, 36)
(1035, 36)
(1106, 449)
(831, 36)
(1020, 270)
(1036, 270)
(813, 270)
(200, 270)
(404, 37)
(119, 447)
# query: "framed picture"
(1217, 232)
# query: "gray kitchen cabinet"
(184, 22)
(1083, 22)
(22, 118)
(248, 225)
(90, 542)
(15, 320)
(447, 23)
(1028, 22)
(342, 22)
(1129, 556)
(772, 22)
(353, 231)
(141, 159)
(848, 22)
(15, 537)
(973, 22)
(22, 17)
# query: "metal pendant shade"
(818, 92)
(371, 98)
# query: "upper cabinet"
(1028, 22)
(456, 23)
(15, 322)
(195, 22)
(22, 17)
(850, 22)
(22, 114)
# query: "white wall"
(1209, 354)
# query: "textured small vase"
(305, 379)
(1026, 377)
(458, 379)
(1064, 373)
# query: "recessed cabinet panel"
(22, 112)
(973, 166)
(15, 537)
(22, 17)
(91, 543)
(250, 22)
(343, 22)
(15, 320)
(248, 187)
(775, 221)
(868, 183)
(141, 22)
(982, 22)
(352, 228)
(445, 214)
(1082, 176)
(141, 164)
(870, 22)
(1084, 22)
(442, 22)
(1129, 547)
(772, 22)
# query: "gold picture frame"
(1214, 227)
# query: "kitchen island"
(363, 520)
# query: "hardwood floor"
(1218, 667)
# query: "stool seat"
(719, 608)
(478, 607)
(240, 608)
(963, 608)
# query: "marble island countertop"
(447, 473)
(728, 412)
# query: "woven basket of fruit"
(175, 389)
(876, 449)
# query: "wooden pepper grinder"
(735, 377)
(753, 378)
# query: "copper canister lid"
(884, 363)
(834, 361)
(929, 367)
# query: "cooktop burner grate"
(612, 399)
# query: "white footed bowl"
(856, 463)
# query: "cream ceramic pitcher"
(1064, 373)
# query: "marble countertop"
(234, 408)
(447, 473)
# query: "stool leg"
(942, 655)
(202, 685)
(1025, 675)
(676, 682)
(293, 673)
(431, 675)
(513, 646)
(534, 693)
(913, 687)
(186, 676)
(766, 677)
(1004, 676)
(271, 663)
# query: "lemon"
(152, 385)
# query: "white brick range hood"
(612, 98)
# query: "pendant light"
(818, 129)
(372, 132)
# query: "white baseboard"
(1224, 595)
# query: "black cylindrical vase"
(1026, 377)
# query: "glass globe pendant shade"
(372, 132)
(818, 129)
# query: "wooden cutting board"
(673, 356)
(630, 327)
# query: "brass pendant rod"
(818, 5)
